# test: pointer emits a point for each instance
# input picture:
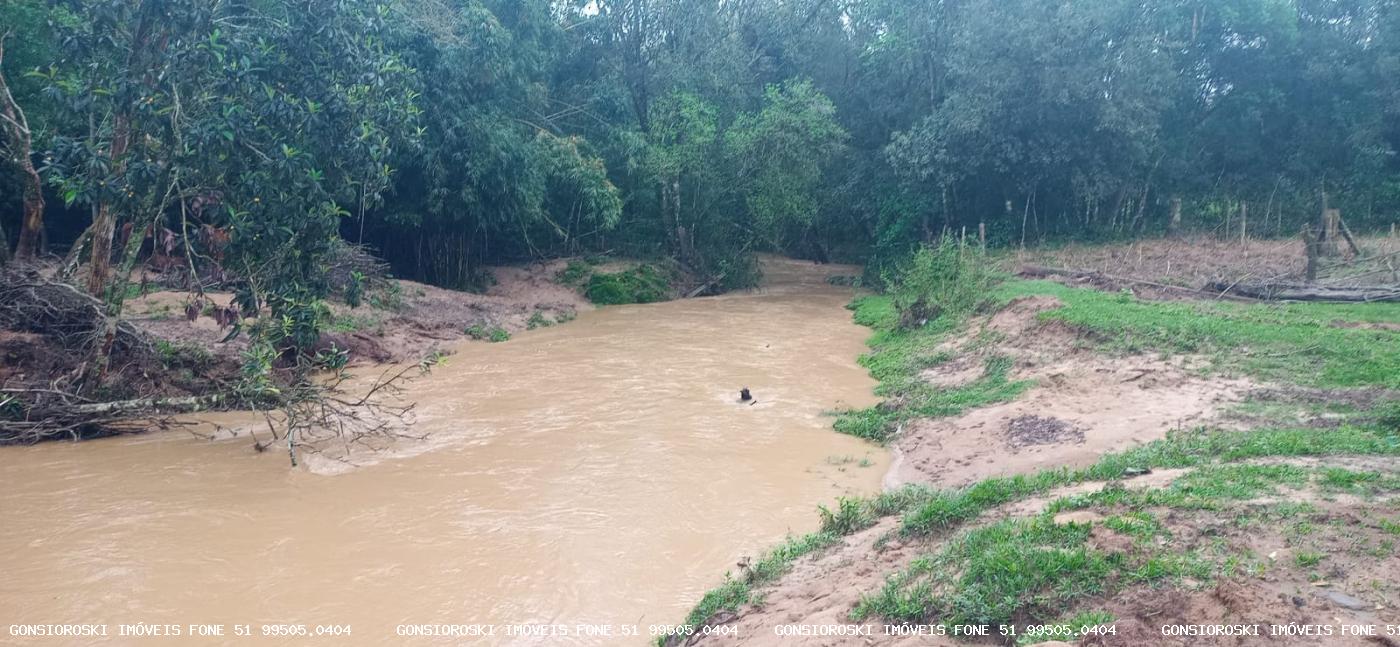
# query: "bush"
(574, 274)
(641, 284)
(538, 320)
(942, 279)
(493, 334)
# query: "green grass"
(897, 357)
(1019, 546)
(1289, 342)
(988, 575)
(1294, 343)
(1030, 567)
(850, 515)
(737, 591)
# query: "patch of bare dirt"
(1027, 431)
(404, 322)
(1082, 405)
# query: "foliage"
(494, 334)
(779, 156)
(898, 356)
(946, 279)
(454, 134)
(641, 284)
(538, 320)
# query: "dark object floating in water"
(744, 395)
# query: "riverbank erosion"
(1088, 466)
(70, 370)
(600, 473)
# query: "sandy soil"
(1083, 404)
(411, 320)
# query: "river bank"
(597, 472)
(1101, 463)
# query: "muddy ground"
(398, 321)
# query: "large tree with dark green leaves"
(452, 134)
(231, 136)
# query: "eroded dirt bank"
(399, 320)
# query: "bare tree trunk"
(1174, 225)
(1310, 250)
(20, 143)
(1331, 219)
(1244, 222)
(104, 225)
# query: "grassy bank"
(981, 567)
(1310, 344)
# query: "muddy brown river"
(598, 473)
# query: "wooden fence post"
(1310, 249)
(1244, 222)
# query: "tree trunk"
(1244, 222)
(1330, 232)
(1310, 250)
(31, 231)
(104, 224)
(18, 136)
(1174, 225)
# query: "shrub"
(574, 274)
(492, 334)
(641, 284)
(538, 320)
(942, 279)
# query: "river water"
(599, 472)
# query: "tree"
(779, 156)
(235, 134)
(18, 147)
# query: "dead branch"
(1040, 271)
(31, 303)
(1306, 292)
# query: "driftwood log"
(1041, 271)
(1305, 292)
(1272, 291)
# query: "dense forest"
(239, 139)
